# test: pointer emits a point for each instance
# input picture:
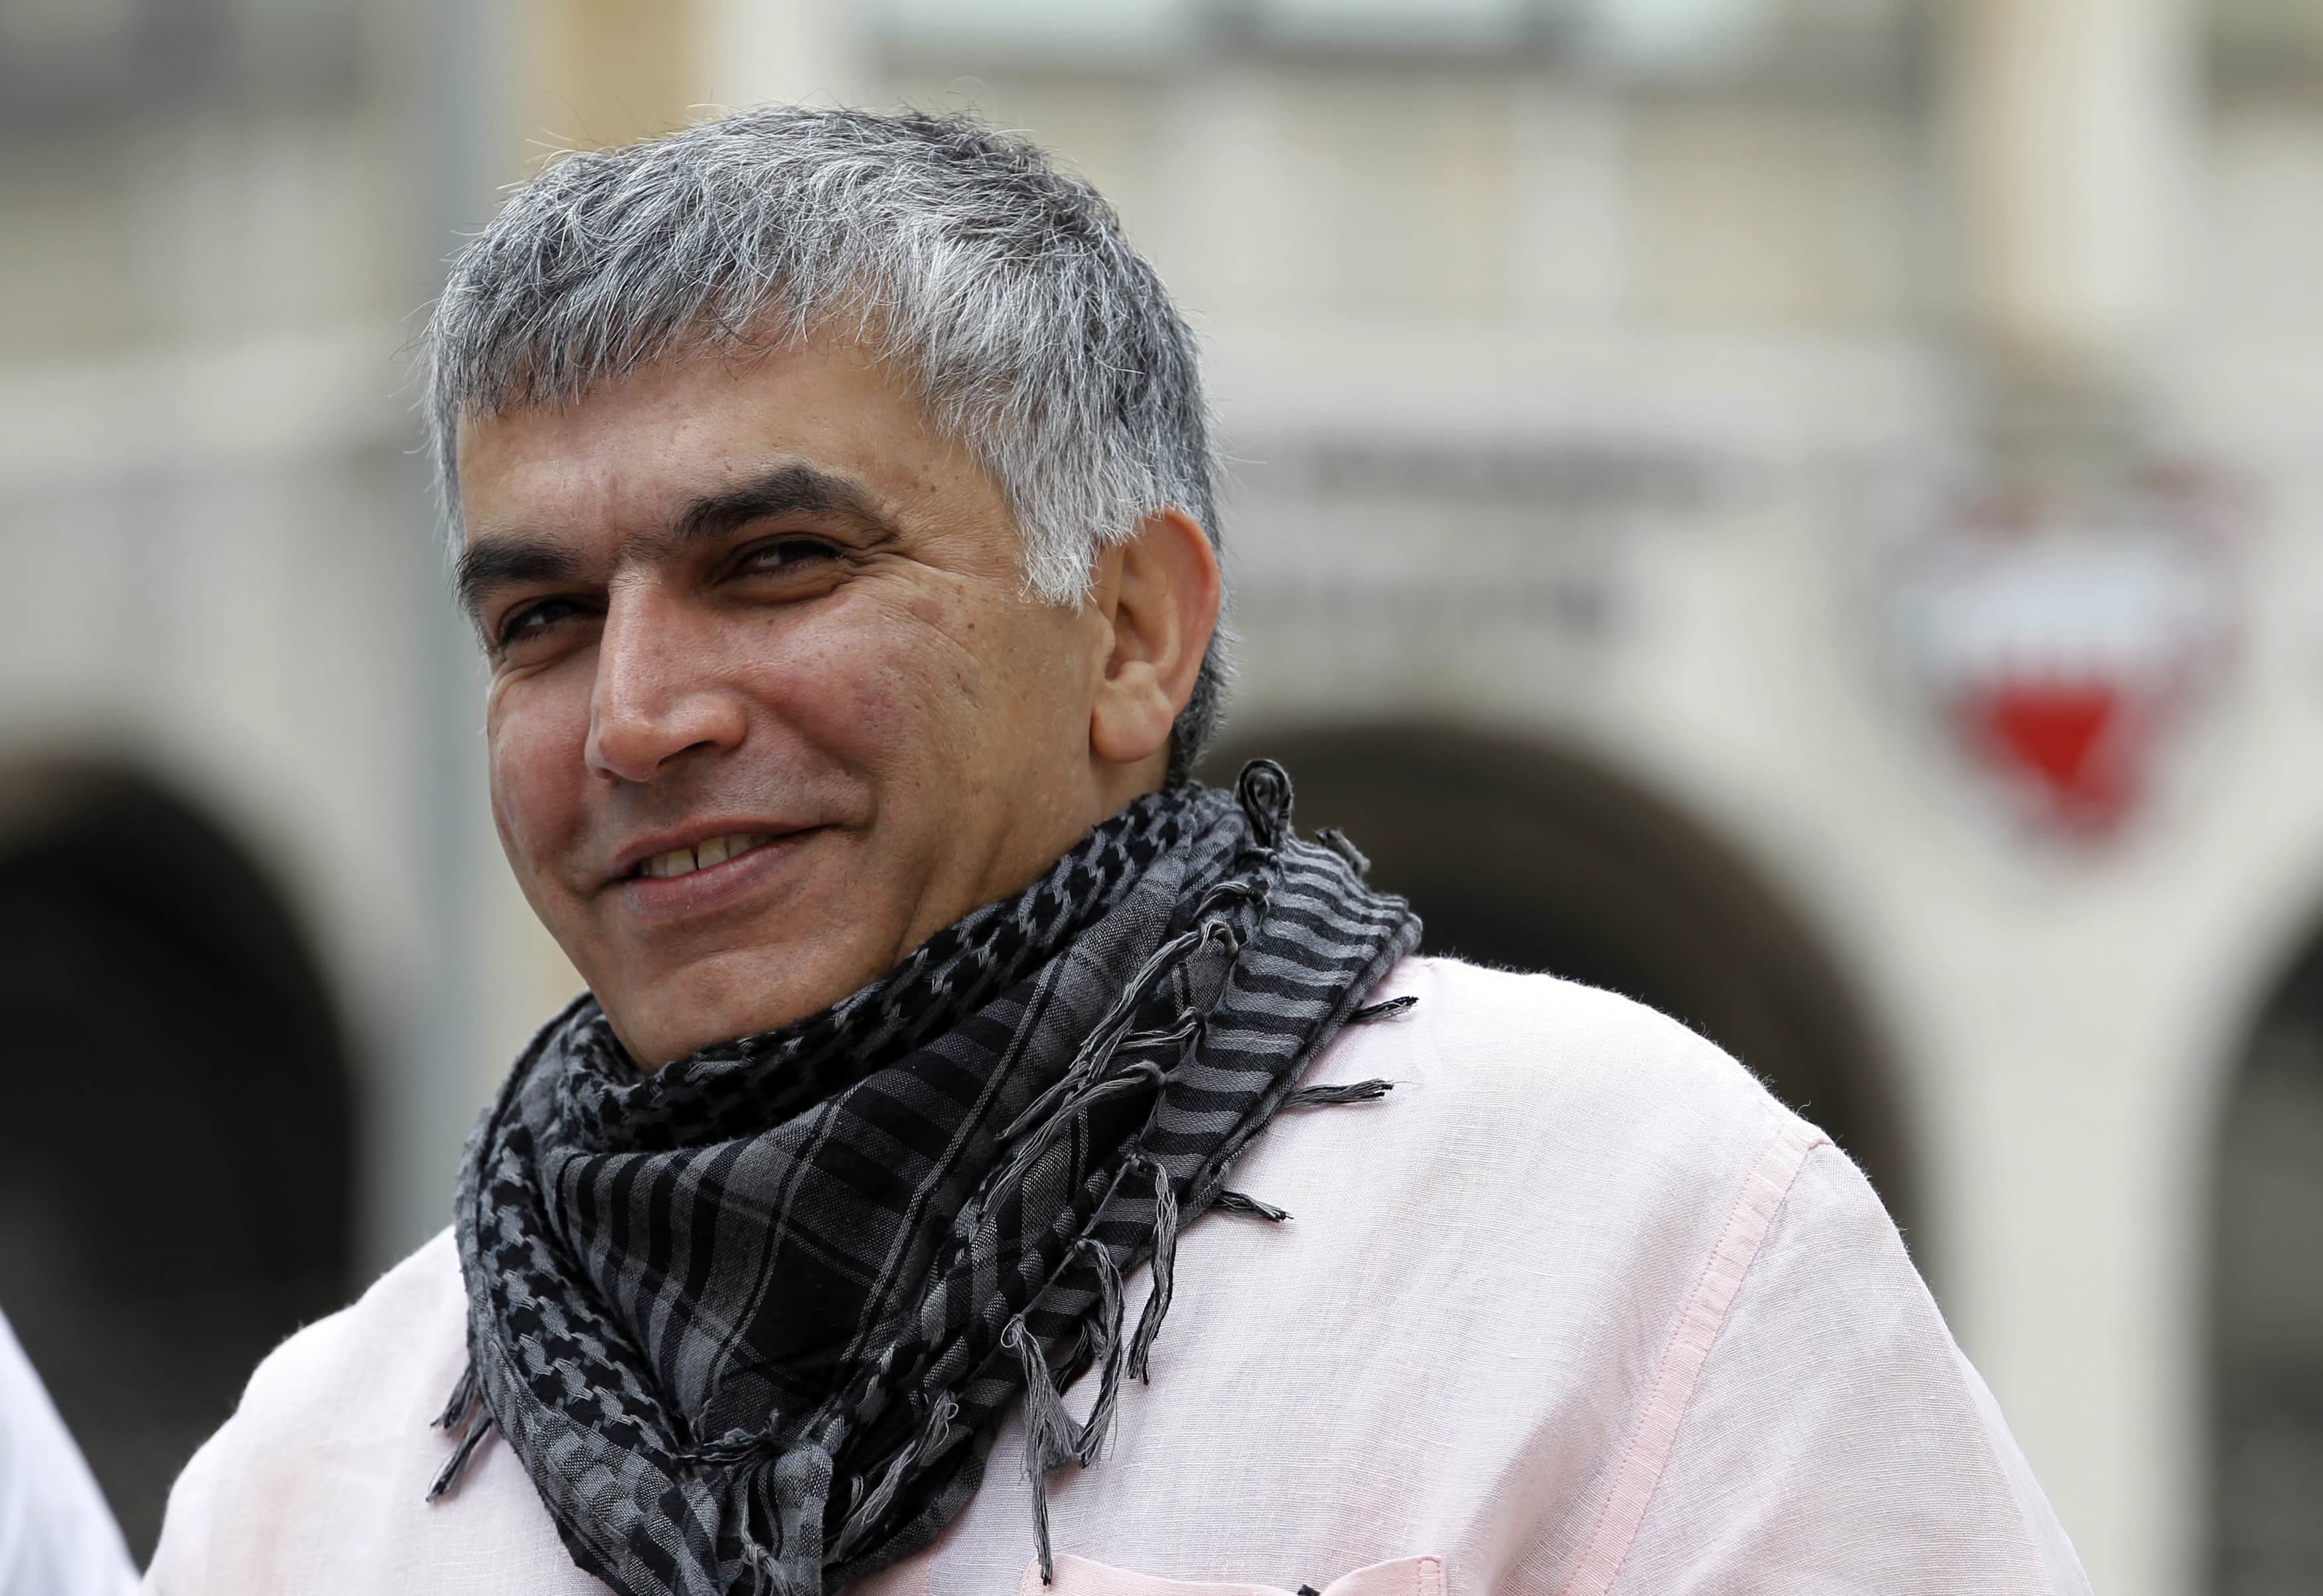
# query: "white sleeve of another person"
(56, 1535)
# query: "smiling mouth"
(685, 861)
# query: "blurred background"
(1825, 495)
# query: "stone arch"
(176, 1180)
(1527, 856)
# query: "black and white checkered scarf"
(752, 1321)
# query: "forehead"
(627, 454)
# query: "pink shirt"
(1577, 1308)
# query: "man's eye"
(782, 553)
(532, 619)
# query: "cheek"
(536, 737)
(882, 685)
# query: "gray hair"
(1039, 337)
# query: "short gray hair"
(1038, 335)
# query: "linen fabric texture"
(751, 1322)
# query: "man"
(835, 507)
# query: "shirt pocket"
(1078, 1576)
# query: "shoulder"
(331, 1448)
(1826, 1395)
(1536, 1113)
(379, 1353)
(1582, 1066)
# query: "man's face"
(769, 705)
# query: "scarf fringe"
(1337, 841)
(465, 1407)
(477, 1428)
(1358, 1091)
(463, 1396)
(1049, 1432)
(1144, 1072)
(767, 1575)
(1242, 1202)
(1165, 1270)
(735, 1447)
(1264, 791)
(1112, 1033)
(1090, 1446)
(935, 1434)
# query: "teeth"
(685, 861)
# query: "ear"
(1159, 593)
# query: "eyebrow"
(497, 560)
(789, 490)
(488, 562)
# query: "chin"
(721, 999)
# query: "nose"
(656, 697)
